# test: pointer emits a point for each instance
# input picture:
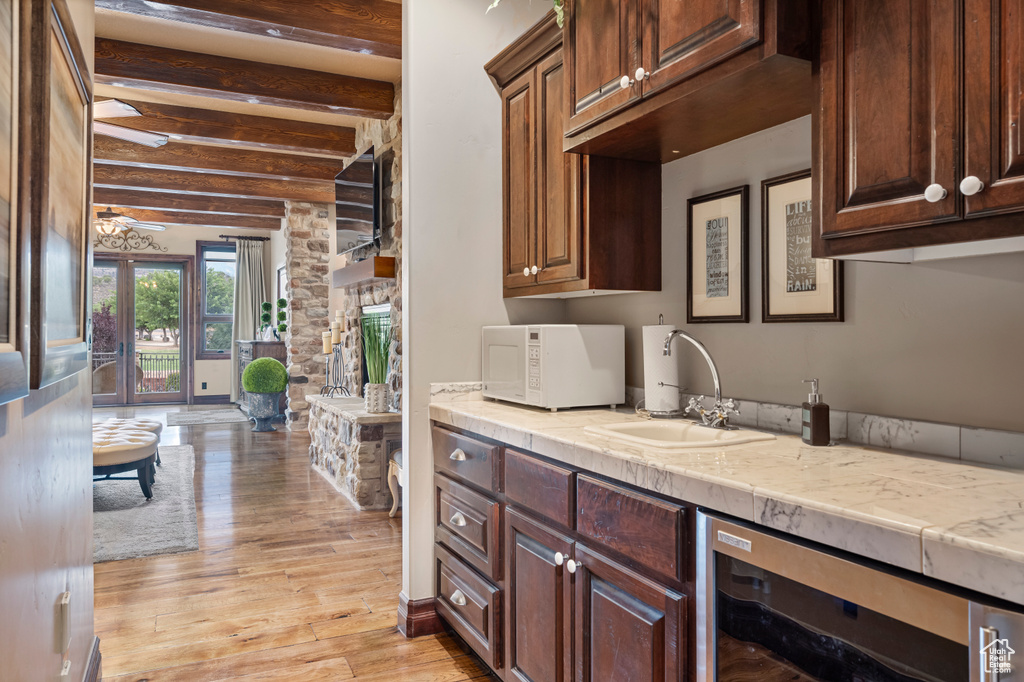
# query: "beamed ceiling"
(259, 101)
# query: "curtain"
(250, 293)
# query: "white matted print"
(796, 287)
(716, 233)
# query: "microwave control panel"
(534, 388)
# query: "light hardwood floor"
(290, 581)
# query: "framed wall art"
(60, 101)
(795, 287)
(716, 257)
(13, 376)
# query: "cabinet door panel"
(627, 627)
(889, 108)
(602, 45)
(539, 612)
(682, 38)
(519, 158)
(994, 90)
(558, 215)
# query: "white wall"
(452, 229)
(938, 341)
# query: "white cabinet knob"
(971, 185)
(458, 598)
(934, 193)
(526, 272)
(534, 270)
(642, 75)
(458, 520)
(458, 455)
(625, 82)
(559, 558)
(573, 565)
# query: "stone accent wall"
(386, 139)
(350, 448)
(307, 262)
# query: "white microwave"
(555, 366)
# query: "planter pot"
(377, 397)
(263, 408)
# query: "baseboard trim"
(94, 666)
(418, 617)
(223, 399)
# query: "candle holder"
(334, 373)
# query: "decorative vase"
(263, 408)
(376, 396)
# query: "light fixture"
(106, 222)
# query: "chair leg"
(158, 455)
(393, 484)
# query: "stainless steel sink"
(676, 435)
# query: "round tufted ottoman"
(134, 424)
(116, 451)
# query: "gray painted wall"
(937, 341)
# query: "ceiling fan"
(113, 108)
(108, 222)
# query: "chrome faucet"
(718, 416)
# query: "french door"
(140, 316)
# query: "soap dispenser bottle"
(814, 417)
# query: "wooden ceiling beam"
(363, 26)
(353, 194)
(126, 177)
(134, 65)
(230, 129)
(192, 203)
(205, 219)
(353, 212)
(244, 162)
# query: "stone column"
(307, 264)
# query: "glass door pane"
(157, 374)
(108, 342)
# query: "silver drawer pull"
(458, 519)
(458, 598)
(458, 455)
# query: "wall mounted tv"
(357, 203)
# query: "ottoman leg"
(393, 484)
(146, 477)
(158, 455)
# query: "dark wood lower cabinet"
(627, 627)
(539, 614)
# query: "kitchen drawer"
(467, 458)
(539, 486)
(469, 524)
(643, 528)
(470, 605)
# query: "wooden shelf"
(369, 270)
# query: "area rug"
(127, 526)
(198, 417)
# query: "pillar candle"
(335, 332)
(327, 342)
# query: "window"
(216, 300)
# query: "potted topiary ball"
(264, 380)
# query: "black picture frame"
(13, 372)
(737, 200)
(797, 186)
(58, 130)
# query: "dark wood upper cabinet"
(627, 627)
(682, 38)
(994, 89)
(539, 615)
(917, 101)
(602, 44)
(571, 223)
(696, 74)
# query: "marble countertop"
(353, 410)
(957, 522)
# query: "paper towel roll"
(660, 368)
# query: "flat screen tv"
(357, 203)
